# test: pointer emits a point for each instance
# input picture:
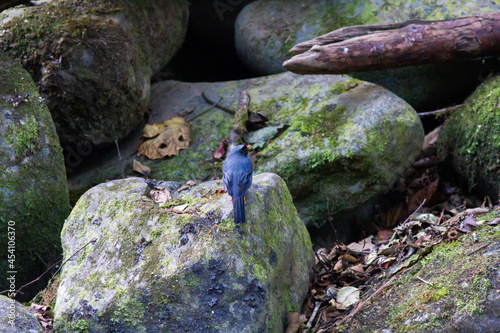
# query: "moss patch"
(472, 135)
(33, 190)
(457, 298)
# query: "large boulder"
(266, 30)
(33, 191)
(460, 293)
(16, 318)
(348, 139)
(471, 135)
(93, 60)
(183, 266)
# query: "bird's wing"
(227, 181)
(244, 182)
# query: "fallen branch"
(223, 108)
(52, 266)
(412, 43)
(440, 111)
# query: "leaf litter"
(344, 276)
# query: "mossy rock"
(17, 318)
(144, 268)
(266, 30)
(93, 60)
(347, 139)
(33, 190)
(472, 136)
(461, 294)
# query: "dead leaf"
(394, 215)
(431, 138)
(181, 208)
(384, 235)
(494, 222)
(166, 138)
(468, 224)
(221, 151)
(363, 245)
(160, 195)
(348, 296)
(338, 266)
(424, 193)
(141, 168)
(349, 258)
(190, 183)
(359, 268)
(259, 138)
(295, 319)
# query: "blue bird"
(237, 178)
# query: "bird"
(237, 173)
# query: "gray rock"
(348, 140)
(16, 318)
(266, 30)
(33, 190)
(93, 60)
(153, 270)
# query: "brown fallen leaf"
(160, 195)
(424, 193)
(166, 138)
(141, 168)
(468, 224)
(384, 234)
(349, 258)
(190, 183)
(359, 268)
(219, 153)
(363, 245)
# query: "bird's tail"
(239, 209)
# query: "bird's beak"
(248, 146)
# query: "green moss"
(79, 326)
(24, 138)
(33, 193)
(129, 311)
(473, 136)
(448, 265)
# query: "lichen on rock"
(151, 269)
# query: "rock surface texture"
(33, 192)
(17, 318)
(93, 60)
(150, 269)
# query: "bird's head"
(241, 149)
